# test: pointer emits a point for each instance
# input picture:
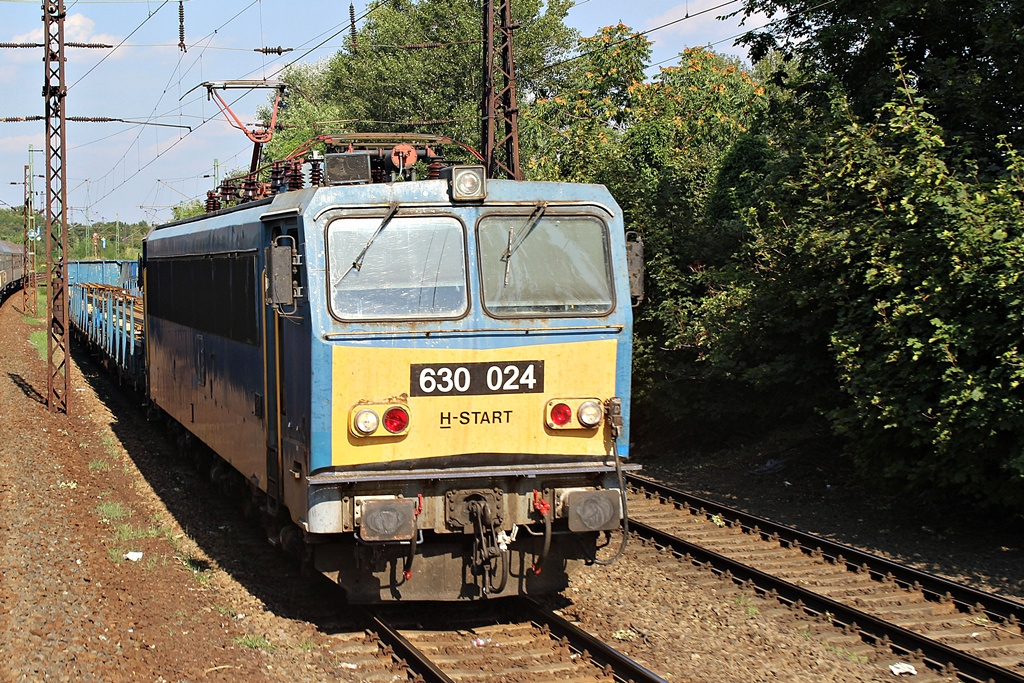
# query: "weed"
(98, 466)
(308, 645)
(255, 642)
(225, 611)
(625, 634)
(38, 339)
(843, 653)
(116, 555)
(127, 532)
(111, 444)
(746, 602)
(111, 511)
(71, 485)
(200, 568)
(717, 520)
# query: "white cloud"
(18, 145)
(33, 36)
(78, 28)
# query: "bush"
(882, 264)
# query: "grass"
(112, 445)
(40, 317)
(38, 340)
(200, 569)
(255, 642)
(225, 611)
(111, 511)
(308, 645)
(98, 466)
(843, 653)
(746, 602)
(127, 532)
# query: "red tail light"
(561, 414)
(396, 420)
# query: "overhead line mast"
(499, 106)
(55, 93)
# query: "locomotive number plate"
(477, 379)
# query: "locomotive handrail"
(504, 331)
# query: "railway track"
(954, 629)
(498, 642)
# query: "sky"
(130, 172)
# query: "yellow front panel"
(446, 425)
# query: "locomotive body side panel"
(204, 345)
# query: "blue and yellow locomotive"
(426, 383)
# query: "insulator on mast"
(352, 22)
(181, 25)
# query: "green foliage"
(870, 247)
(820, 240)
(662, 148)
(964, 56)
(123, 240)
(12, 225)
(386, 83)
(188, 209)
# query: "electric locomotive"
(424, 384)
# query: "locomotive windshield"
(543, 265)
(396, 267)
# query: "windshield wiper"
(530, 224)
(357, 263)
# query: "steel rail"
(871, 628)
(968, 598)
(621, 666)
(412, 657)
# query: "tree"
(872, 264)
(663, 148)
(416, 67)
(188, 209)
(964, 57)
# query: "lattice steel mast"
(28, 260)
(55, 93)
(499, 107)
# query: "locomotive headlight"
(585, 412)
(378, 420)
(589, 414)
(468, 183)
(366, 421)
